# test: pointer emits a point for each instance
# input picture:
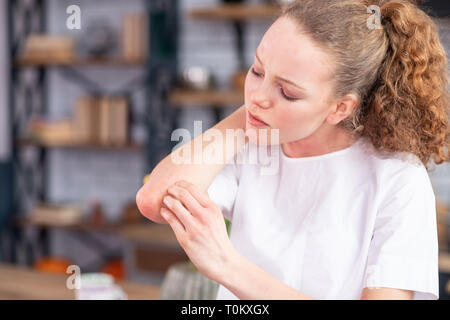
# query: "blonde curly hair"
(398, 71)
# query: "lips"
(255, 120)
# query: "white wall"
(4, 85)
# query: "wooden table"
(21, 283)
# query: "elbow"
(148, 206)
(144, 204)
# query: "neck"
(316, 145)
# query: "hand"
(199, 227)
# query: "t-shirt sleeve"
(403, 252)
(224, 187)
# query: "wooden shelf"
(96, 146)
(81, 62)
(237, 12)
(144, 232)
(205, 98)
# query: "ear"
(342, 109)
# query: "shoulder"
(396, 174)
(393, 166)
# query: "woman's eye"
(281, 90)
(255, 73)
(286, 97)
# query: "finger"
(198, 194)
(177, 208)
(173, 221)
(186, 198)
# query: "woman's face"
(299, 105)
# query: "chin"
(263, 136)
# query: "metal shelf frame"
(28, 97)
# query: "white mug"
(99, 286)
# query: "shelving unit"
(133, 147)
(159, 75)
(80, 62)
(233, 11)
(206, 98)
(236, 14)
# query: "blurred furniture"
(149, 246)
(184, 282)
(443, 225)
(152, 247)
(206, 98)
(236, 11)
(29, 97)
(52, 265)
(442, 214)
(444, 275)
(237, 14)
(41, 47)
(19, 283)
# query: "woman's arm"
(386, 294)
(247, 281)
(167, 172)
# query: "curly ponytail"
(408, 110)
(399, 71)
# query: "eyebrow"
(280, 78)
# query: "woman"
(360, 109)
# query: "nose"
(260, 96)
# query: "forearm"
(247, 281)
(167, 172)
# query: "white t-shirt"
(333, 224)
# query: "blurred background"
(90, 93)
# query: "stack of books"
(51, 133)
(102, 120)
(56, 215)
(134, 38)
(40, 48)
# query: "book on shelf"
(40, 48)
(105, 121)
(121, 120)
(134, 37)
(102, 120)
(51, 132)
(83, 118)
(56, 214)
